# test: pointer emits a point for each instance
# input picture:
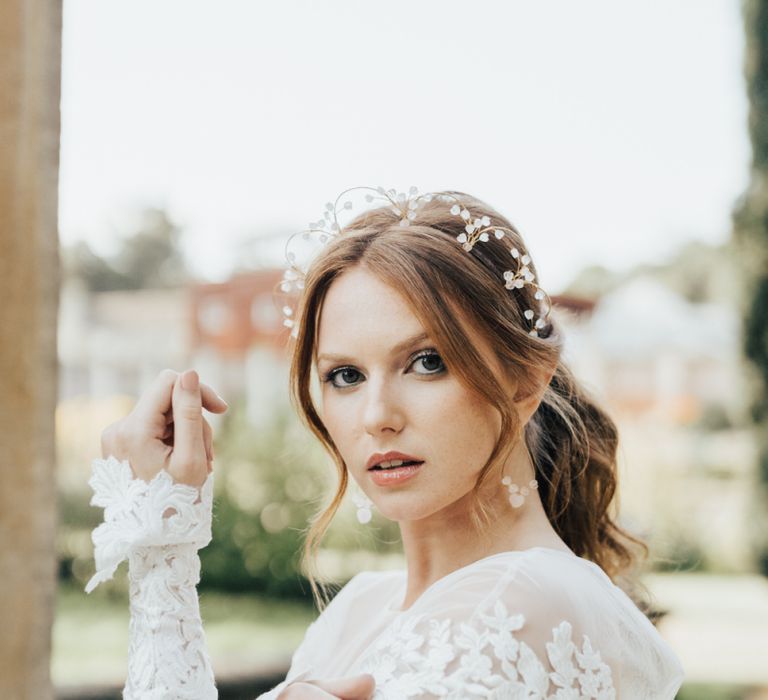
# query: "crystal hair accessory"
(406, 206)
(516, 494)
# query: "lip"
(378, 457)
(394, 476)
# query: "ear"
(527, 404)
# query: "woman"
(444, 399)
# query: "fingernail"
(222, 400)
(189, 380)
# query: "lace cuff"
(136, 514)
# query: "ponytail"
(573, 443)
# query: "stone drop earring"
(516, 494)
(364, 505)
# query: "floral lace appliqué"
(136, 513)
(158, 526)
(418, 656)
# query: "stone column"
(30, 63)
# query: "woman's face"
(385, 389)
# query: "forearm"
(167, 657)
(158, 526)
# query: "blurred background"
(617, 136)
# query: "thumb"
(352, 688)
(188, 444)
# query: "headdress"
(406, 206)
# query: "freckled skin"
(395, 404)
(388, 401)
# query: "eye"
(348, 375)
(344, 377)
(430, 361)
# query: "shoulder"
(365, 583)
(347, 613)
(357, 594)
(538, 621)
(371, 579)
(548, 591)
(535, 580)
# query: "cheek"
(443, 419)
(459, 428)
(339, 415)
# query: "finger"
(353, 688)
(156, 399)
(188, 447)
(306, 690)
(211, 400)
(214, 403)
(208, 439)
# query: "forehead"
(359, 306)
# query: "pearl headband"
(477, 229)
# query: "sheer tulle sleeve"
(158, 527)
(543, 627)
(321, 643)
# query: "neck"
(447, 540)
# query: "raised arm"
(155, 483)
(158, 526)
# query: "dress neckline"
(396, 608)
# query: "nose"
(383, 411)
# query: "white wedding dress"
(538, 623)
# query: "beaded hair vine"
(406, 206)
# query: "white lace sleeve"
(158, 526)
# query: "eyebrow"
(400, 347)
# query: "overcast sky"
(608, 131)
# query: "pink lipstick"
(384, 473)
(394, 475)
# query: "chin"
(407, 508)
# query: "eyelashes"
(430, 354)
(331, 376)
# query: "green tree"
(750, 218)
(150, 257)
(698, 271)
(79, 260)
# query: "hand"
(351, 688)
(166, 430)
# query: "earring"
(516, 494)
(363, 504)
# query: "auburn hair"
(457, 296)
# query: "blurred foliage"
(269, 480)
(151, 257)
(677, 551)
(266, 482)
(698, 272)
(701, 272)
(593, 282)
(90, 635)
(714, 416)
(750, 219)
(73, 543)
(717, 691)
